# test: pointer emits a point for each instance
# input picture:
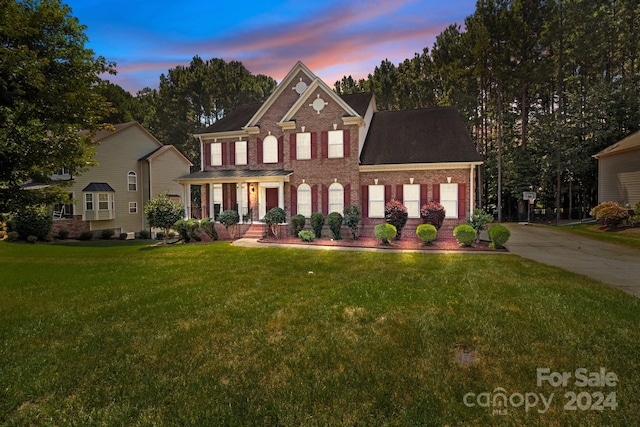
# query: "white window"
(304, 200)
(132, 181)
(270, 149)
(376, 201)
(103, 201)
(216, 154)
(133, 207)
(336, 198)
(88, 202)
(336, 149)
(411, 196)
(303, 146)
(216, 200)
(449, 199)
(241, 152)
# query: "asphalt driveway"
(616, 265)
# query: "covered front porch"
(252, 193)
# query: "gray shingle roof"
(235, 120)
(432, 135)
(98, 186)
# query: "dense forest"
(543, 86)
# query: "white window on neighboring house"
(304, 200)
(449, 199)
(303, 146)
(376, 201)
(336, 144)
(216, 154)
(103, 201)
(88, 202)
(133, 207)
(411, 196)
(270, 149)
(336, 198)
(241, 152)
(132, 181)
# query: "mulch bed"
(404, 243)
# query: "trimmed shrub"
(162, 212)
(144, 234)
(107, 234)
(63, 234)
(297, 223)
(433, 213)
(13, 236)
(122, 236)
(385, 232)
(32, 239)
(160, 235)
(274, 217)
(317, 222)
(499, 235)
(352, 218)
(427, 233)
(33, 221)
(209, 227)
(186, 228)
(86, 235)
(610, 214)
(465, 234)
(334, 219)
(395, 213)
(306, 235)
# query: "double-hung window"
(241, 152)
(303, 146)
(376, 201)
(336, 144)
(132, 181)
(336, 198)
(216, 154)
(304, 200)
(270, 149)
(411, 196)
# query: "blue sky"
(332, 37)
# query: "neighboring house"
(307, 149)
(132, 167)
(619, 172)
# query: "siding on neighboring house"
(619, 172)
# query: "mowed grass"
(124, 334)
(628, 237)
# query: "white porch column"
(281, 194)
(186, 189)
(472, 182)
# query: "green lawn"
(626, 238)
(124, 334)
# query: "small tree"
(479, 221)
(297, 224)
(162, 212)
(317, 222)
(352, 218)
(230, 219)
(334, 219)
(396, 214)
(274, 217)
(433, 213)
(33, 221)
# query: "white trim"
(416, 166)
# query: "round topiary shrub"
(86, 235)
(123, 236)
(427, 233)
(395, 213)
(334, 219)
(297, 223)
(63, 234)
(13, 236)
(433, 213)
(144, 234)
(499, 235)
(465, 235)
(306, 235)
(385, 232)
(317, 222)
(107, 234)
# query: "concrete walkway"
(616, 265)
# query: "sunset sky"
(332, 37)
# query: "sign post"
(531, 197)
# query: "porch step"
(254, 231)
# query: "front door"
(271, 198)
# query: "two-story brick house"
(307, 149)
